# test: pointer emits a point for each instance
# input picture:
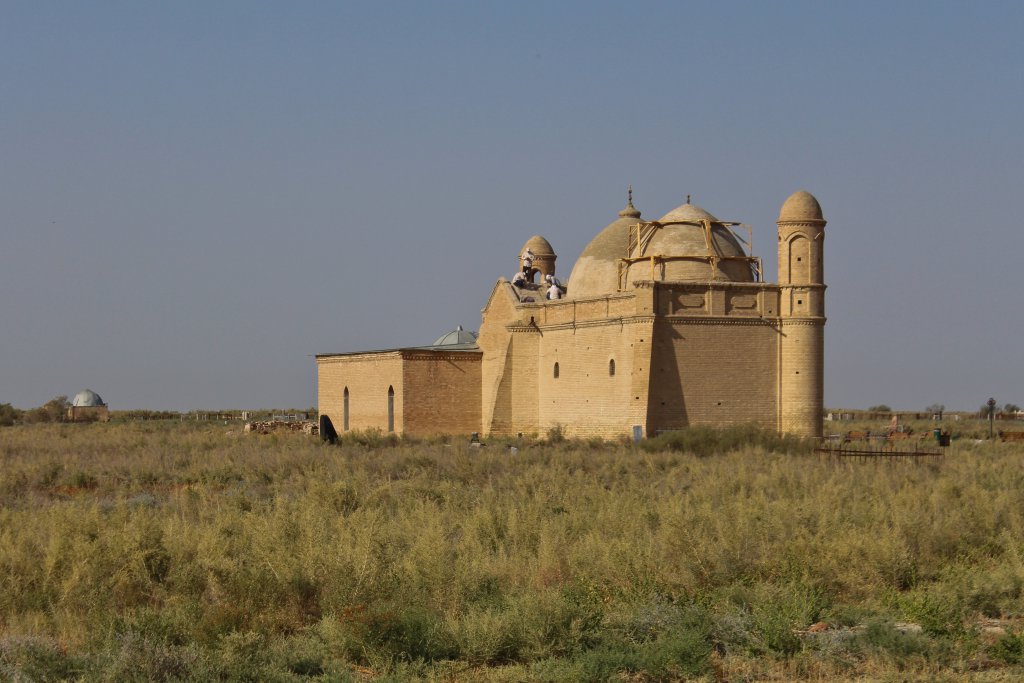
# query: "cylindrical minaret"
(802, 315)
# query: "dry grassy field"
(171, 551)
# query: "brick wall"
(585, 398)
(89, 414)
(367, 376)
(435, 392)
(523, 409)
(441, 393)
(713, 372)
(684, 354)
(710, 356)
(495, 342)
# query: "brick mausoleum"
(665, 324)
(87, 406)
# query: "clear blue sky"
(197, 196)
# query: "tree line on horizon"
(56, 410)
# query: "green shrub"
(54, 410)
(244, 656)
(556, 434)
(677, 655)
(397, 633)
(884, 635)
(142, 660)
(369, 438)
(706, 441)
(559, 670)
(776, 629)
(1009, 648)
(36, 659)
(559, 623)
(188, 551)
(8, 415)
(82, 480)
(166, 626)
(938, 615)
(653, 639)
(488, 635)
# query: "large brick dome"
(596, 271)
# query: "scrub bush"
(191, 551)
(707, 441)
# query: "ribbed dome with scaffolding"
(688, 244)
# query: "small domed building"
(543, 257)
(665, 324)
(87, 406)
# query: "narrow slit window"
(556, 371)
(611, 367)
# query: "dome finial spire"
(630, 210)
(687, 199)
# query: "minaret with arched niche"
(801, 315)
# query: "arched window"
(344, 419)
(391, 409)
(611, 367)
(556, 370)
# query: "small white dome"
(456, 337)
(87, 398)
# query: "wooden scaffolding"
(641, 233)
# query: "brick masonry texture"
(434, 392)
